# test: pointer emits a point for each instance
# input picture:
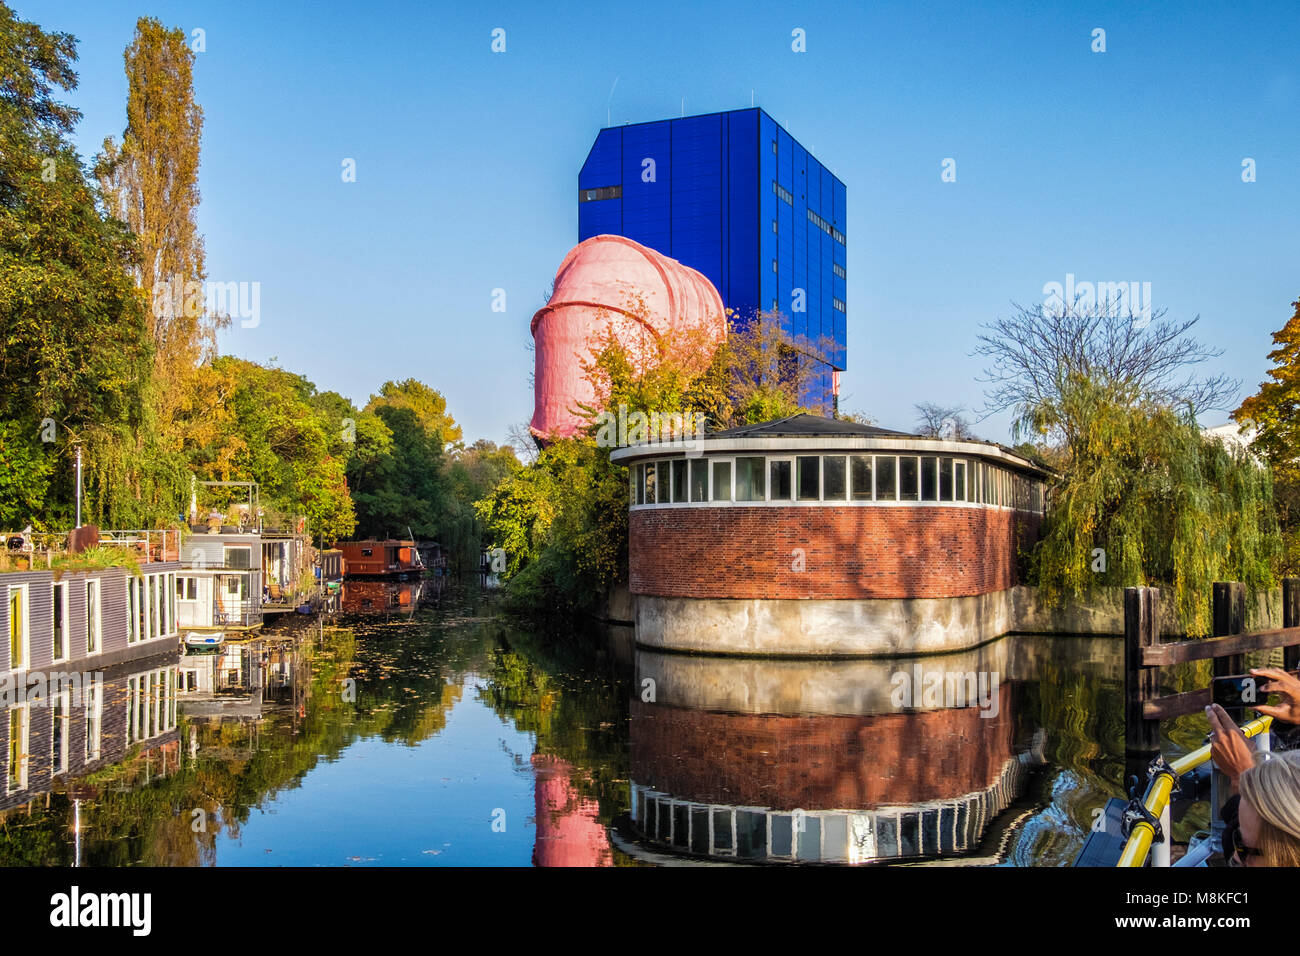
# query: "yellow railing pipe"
(1159, 790)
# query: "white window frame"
(822, 480)
(768, 461)
(24, 747)
(95, 624)
(94, 713)
(1002, 487)
(55, 588)
(132, 613)
(61, 703)
(686, 481)
(157, 617)
(794, 480)
(26, 625)
(875, 474)
(731, 473)
(848, 478)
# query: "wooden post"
(1229, 613)
(1291, 618)
(1141, 629)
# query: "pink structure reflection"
(610, 284)
(569, 832)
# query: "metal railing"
(232, 613)
(154, 545)
(1155, 802)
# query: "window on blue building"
(604, 192)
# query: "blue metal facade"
(704, 190)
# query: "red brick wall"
(848, 552)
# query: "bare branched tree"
(522, 441)
(1037, 353)
(942, 421)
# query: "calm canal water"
(419, 727)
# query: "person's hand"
(1229, 747)
(1280, 682)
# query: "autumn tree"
(427, 405)
(271, 426)
(150, 180)
(1270, 419)
(152, 183)
(562, 520)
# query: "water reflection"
(823, 761)
(388, 597)
(393, 731)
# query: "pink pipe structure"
(610, 284)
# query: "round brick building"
(810, 535)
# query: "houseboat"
(381, 559)
(219, 588)
(87, 669)
(288, 578)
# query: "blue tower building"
(734, 196)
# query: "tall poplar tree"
(151, 182)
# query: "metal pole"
(1160, 852)
(1291, 618)
(78, 486)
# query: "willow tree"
(1144, 498)
(1141, 496)
(151, 183)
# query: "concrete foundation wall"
(883, 627)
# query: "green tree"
(1139, 495)
(272, 427)
(427, 405)
(405, 486)
(74, 344)
(562, 520)
(24, 478)
(1143, 498)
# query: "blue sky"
(1115, 166)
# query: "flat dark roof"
(814, 425)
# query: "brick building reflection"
(799, 761)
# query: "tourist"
(1263, 822)
(1268, 831)
(1288, 711)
